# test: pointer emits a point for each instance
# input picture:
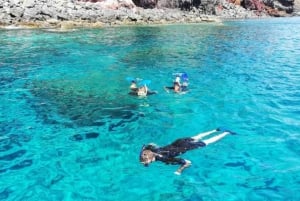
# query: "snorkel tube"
(184, 77)
(138, 81)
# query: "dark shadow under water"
(71, 107)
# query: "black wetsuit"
(167, 154)
(172, 88)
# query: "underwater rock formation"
(62, 103)
(13, 156)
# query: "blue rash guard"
(168, 154)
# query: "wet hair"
(145, 155)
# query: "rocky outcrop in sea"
(70, 13)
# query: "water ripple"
(69, 129)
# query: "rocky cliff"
(280, 7)
(296, 7)
(48, 13)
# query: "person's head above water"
(133, 84)
(146, 157)
(177, 78)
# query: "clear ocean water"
(70, 131)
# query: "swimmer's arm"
(166, 89)
(186, 164)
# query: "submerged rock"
(80, 137)
(68, 103)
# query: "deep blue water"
(70, 131)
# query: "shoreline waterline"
(85, 24)
(65, 26)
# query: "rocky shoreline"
(66, 14)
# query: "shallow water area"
(69, 130)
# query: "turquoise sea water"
(70, 131)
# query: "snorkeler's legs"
(215, 138)
(202, 135)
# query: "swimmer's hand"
(186, 165)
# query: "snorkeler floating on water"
(178, 86)
(141, 90)
(168, 154)
(138, 87)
